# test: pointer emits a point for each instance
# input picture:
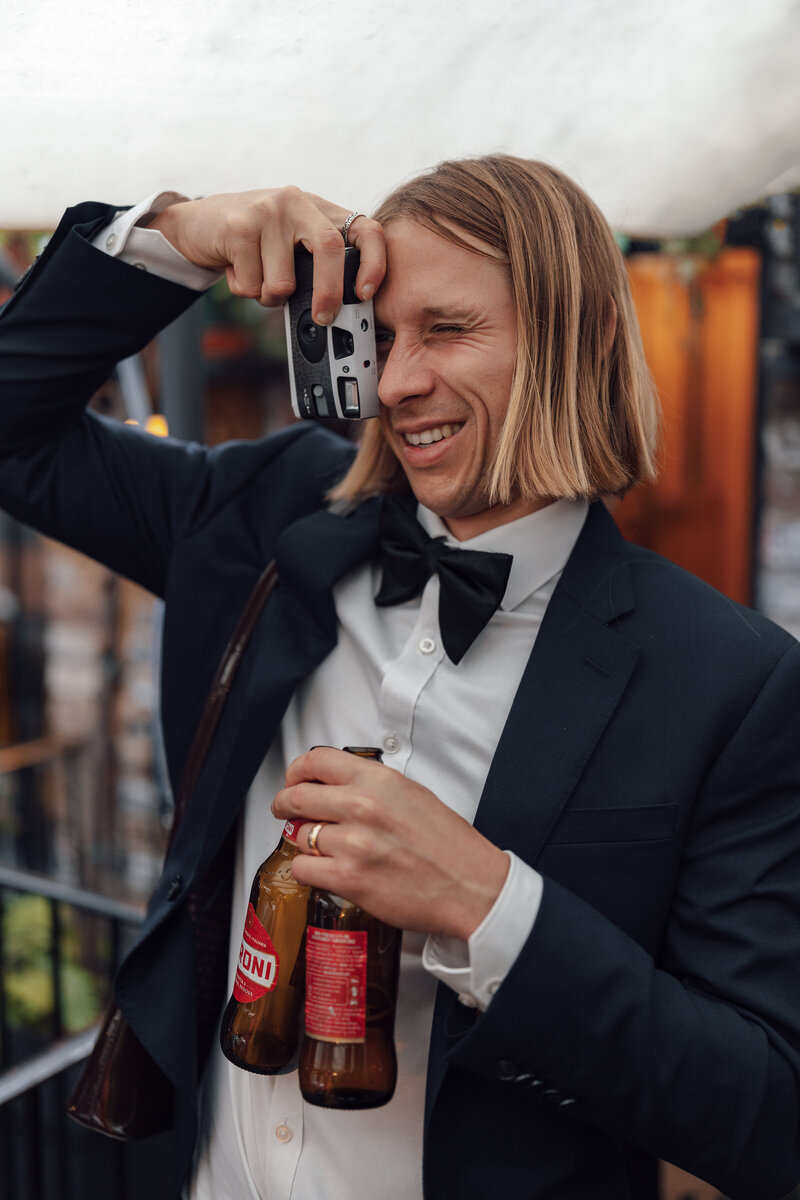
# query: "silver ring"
(348, 223)
(313, 834)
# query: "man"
(588, 829)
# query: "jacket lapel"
(294, 633)
(575, 677)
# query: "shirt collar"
(541, 543)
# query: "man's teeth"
(431, 435)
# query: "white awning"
(669, 112)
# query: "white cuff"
(476, 969)
(148, 249)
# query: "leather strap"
(220, 688)
(121, 1091)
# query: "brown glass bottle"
(347, 1057)
(261, 1024)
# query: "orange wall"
(699, 322)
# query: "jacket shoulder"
(685, 602)
(302, 456)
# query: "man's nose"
(404, 375)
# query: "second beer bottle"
(347, 1058)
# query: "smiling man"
(447, 340)
(586, 824)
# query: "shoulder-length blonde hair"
(582, 416)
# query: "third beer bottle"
(347, 1058)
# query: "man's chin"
(449, 508)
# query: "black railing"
(43, 1154)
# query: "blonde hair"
(582, 417)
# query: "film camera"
(332, 369)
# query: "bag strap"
(220, 687)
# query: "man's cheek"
(388, 437)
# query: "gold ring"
(313, 835)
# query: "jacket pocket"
(648, 823)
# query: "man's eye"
(448, 329)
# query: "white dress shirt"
(388, 683)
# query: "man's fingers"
(277, 260)
(347, 850)
(245, 273)
(364, 233)
(322, 872)
(327, 246)
(311, 801)
(368, 236)
(325, 764)
(252, 237)
(313, 831)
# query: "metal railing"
(45, 1155)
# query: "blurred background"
(682, 124)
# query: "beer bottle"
(347, 1057)
(261, 1024)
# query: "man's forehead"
(446, 234)
(440, 276)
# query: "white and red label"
(257, 972)
(336, 984)
(291, 830)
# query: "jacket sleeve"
(694, 1057)
(111, 491)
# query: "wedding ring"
(348, 223)
(313, 835)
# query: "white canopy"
(669, 112)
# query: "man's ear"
(611, 326)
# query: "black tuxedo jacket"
(649, 769)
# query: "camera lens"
(311, 338)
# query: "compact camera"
(333, 370)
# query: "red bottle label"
(336, 984)
(291, 830)
(257, 972)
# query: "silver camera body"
(333, 371)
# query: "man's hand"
(391, 845)
(251, 236)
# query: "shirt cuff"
(475, 969)
(148, 249)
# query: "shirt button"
(141, 266)
(283, 1133)
(391, 744)
(111, 241)
(467, 1000)
(427, 645)
(493, 986)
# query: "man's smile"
(433, 433)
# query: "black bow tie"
(471, 582)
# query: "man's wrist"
(132, 238)
(476, 968)
(167, 223)
(481, 895)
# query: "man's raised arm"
(114, 493)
